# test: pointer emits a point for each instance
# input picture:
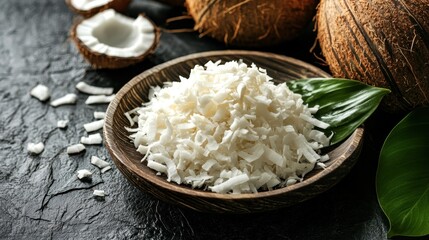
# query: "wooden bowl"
(127, 159)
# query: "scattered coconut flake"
(62, 123)
(76, 148)
(40, 92)
(94, 126)
(99, 193)
(99, 115)
(84, 174)
(93, 90)
(99, 162)
(35, 148)
(97, 99)
(69, 98)
(92, 139)
(229, 129)
(106, 169)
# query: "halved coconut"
(88, 8)
(112, 40)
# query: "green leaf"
(344, 104)
(403, 176)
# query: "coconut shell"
(251, 23)
(382, 43)
(104, 61)
(117, 5)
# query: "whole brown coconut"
(384, 43)
(251, 23)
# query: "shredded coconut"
(69, 98)
(93, 90)
(84, 174)
(76, 148)
(62, 123)
(92, 139)
(106, 169)
(94, 126)
(99, 193)
(97, 99)
(99, 115)
(40, 92)
(35, 148)
(99, 162)
(228, 129)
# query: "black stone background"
(40, 196)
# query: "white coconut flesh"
(88, 4)
(114, 34)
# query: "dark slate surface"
(40, 196)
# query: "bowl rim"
(160, 182)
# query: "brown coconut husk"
(251, 23)
(117, 5)
(382, 43)
(104, 61)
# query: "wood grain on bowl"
(127, 159)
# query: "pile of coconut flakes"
(228, 129)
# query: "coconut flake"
(69, 98)
(92, 139)
(62, 123)
(99, 162)
(76, 148)
(98, 99)
(99, 193)
(105, 169)
(84, 174)
(40, 92)
(93, 90)
(35, 148)
(230, 183)
(99, 115)
(94, 126)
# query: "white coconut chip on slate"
(76, 148)
(99, 99)
(35, 148)
(94, 126)
(62, 123)
(99, 193)
(99, 162)
(93, 90)
(67, 99)
(99, 115)
(84, 174)
(92, 139)
(40, 92)
(106, 169)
